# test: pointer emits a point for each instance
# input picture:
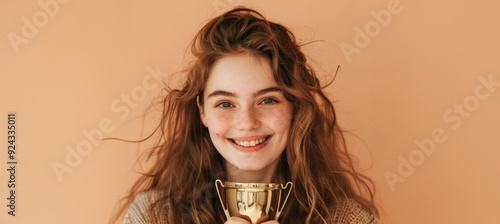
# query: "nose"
(248, 119)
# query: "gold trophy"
(255, 202)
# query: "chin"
(250, 168)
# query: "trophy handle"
(278, 213)
(220, 198)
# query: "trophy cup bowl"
(255, 202)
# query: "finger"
(271, 222)
(237, 220)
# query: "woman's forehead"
(240, 73)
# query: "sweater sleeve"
(138, 210)
(352, 212)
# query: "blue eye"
(224, 104)
(269, 101)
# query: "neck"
(265, 175)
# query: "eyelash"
(228, 104)
(220, 104)
(273, 101)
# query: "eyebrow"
(232, 94)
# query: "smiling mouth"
(251, 143)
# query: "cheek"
(281, 120)
(218, 125)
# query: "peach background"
(394, 91)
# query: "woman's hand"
(237, 220)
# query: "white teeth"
(250, 143)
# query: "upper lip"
(251, 138)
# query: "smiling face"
(247, 115)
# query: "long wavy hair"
(186, 163)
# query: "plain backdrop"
(418, 91)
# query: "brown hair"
(187, 164)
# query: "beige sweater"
(351, 213)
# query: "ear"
(200, 108)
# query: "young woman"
(250, 110)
